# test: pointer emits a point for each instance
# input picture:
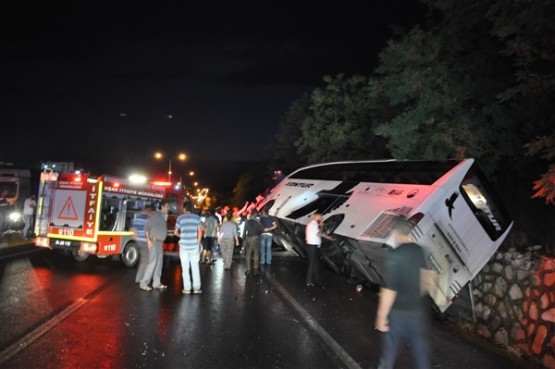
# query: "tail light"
(42, 242)
(89, 247)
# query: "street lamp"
(181, 157)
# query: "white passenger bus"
(460, 221)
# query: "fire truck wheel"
(79, 255)
(130, 255)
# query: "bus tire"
(130, 254)
(79, 255)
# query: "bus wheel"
(79, 255)
(130, 254)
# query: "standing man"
(138, 228)
(188, 227)
(251, 237)
(314, 234)
(29, 206)
(156, 230)
(401, 314)
(211, 227)
(269, 224)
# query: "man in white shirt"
(29, 206)
(314, 236)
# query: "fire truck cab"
(93, 216)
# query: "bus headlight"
(15, 216)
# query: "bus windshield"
(484, 204)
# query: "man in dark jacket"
(251, 237)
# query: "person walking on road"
(211, 226)
(188, 227)
(156, 230)
(314, 235)
(228, 234)
(138, 228)
(251, 237)
(401, 315)
(29, 206)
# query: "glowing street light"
(159, 156)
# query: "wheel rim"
(131, 255)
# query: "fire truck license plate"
(63, 243)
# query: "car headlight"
(15, 216)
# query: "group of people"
(151, 229)
(200, 239)
(257, 238)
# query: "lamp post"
(181, 157)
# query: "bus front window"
(485, 204)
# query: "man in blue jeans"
(138, 228)
(188, 227)
(269, 223)
(401, 315)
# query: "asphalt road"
(57, 313)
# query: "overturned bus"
(459, 220)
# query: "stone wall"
(514, 305)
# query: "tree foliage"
(527, 31)
(339, 126)
(250, 184)
(333, 123)
(443, 84)
(545, 185)
(477, 80)
(282, 152)
(241, 190)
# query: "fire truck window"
(108, 218)
(129, 216)
(136, 204)
(172, 199)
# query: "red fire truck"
(93, 216)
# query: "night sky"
(110, 82)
